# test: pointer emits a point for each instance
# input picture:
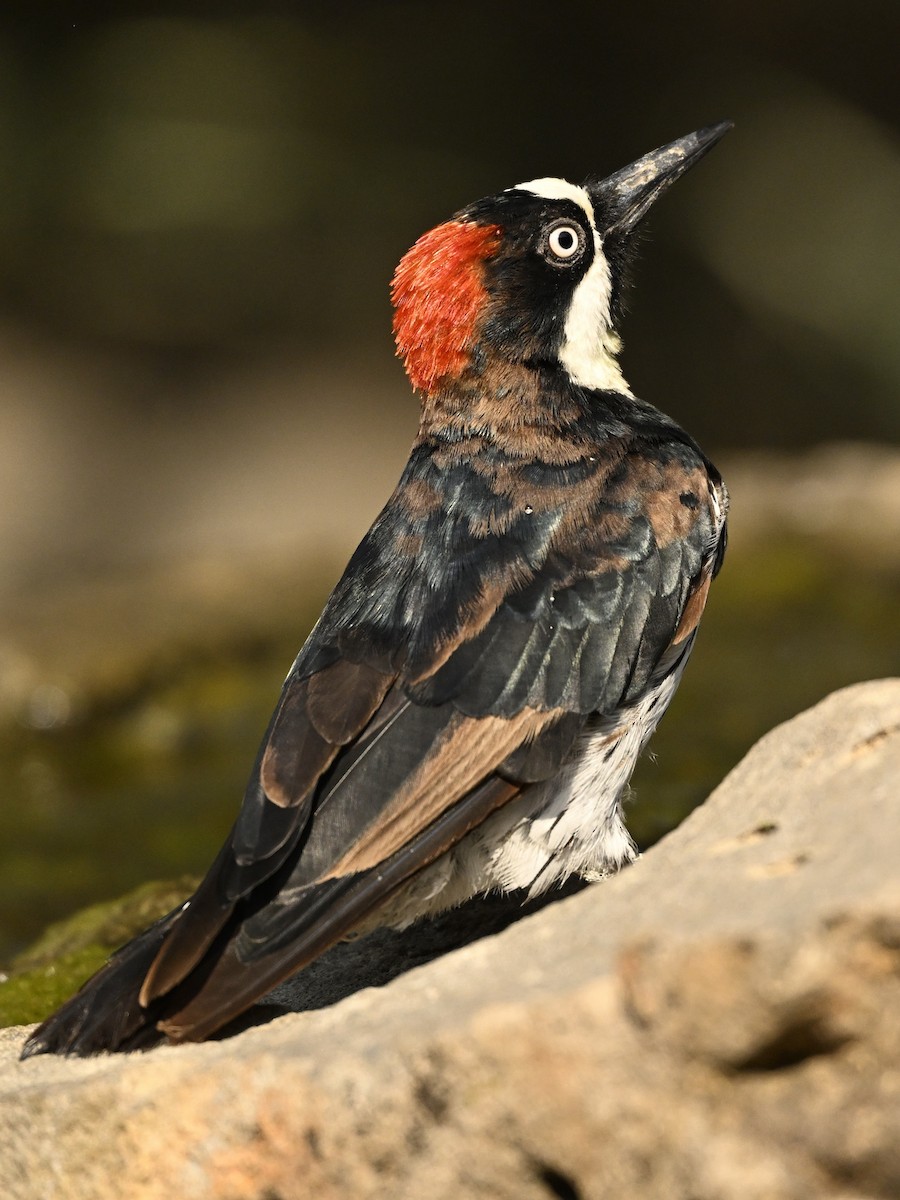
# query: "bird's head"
(533, 275)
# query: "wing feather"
(296, 932)
(562, 642)
(452, 666)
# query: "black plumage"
(536, 574)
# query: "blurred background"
(201, 207)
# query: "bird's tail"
(106, 1014)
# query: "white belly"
(573, 823)
(570, 825)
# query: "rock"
(717, 1022)
(845, 494)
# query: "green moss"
(33, 995)
(70, 951)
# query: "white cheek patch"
(589, 345)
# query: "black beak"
(625, 197)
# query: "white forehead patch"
(559, 189)
(590, 345)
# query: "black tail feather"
(106, 1014)
(266, 938)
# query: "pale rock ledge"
(720, 1021)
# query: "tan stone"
(720, 1021)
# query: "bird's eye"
(563, 243)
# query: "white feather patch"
(571, 824)
(558, 189)
(589, 346)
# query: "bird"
(466, 714)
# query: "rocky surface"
(719, 1021)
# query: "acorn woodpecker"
(466, 714)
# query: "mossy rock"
(70, 951)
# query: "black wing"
(489, 611)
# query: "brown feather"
(343, 697)
(233, 984)
(315, 717)
(670, 519)
(296, 754)
(472, 748)
(693, 610)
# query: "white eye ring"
(565, 241)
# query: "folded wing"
(399, 730)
